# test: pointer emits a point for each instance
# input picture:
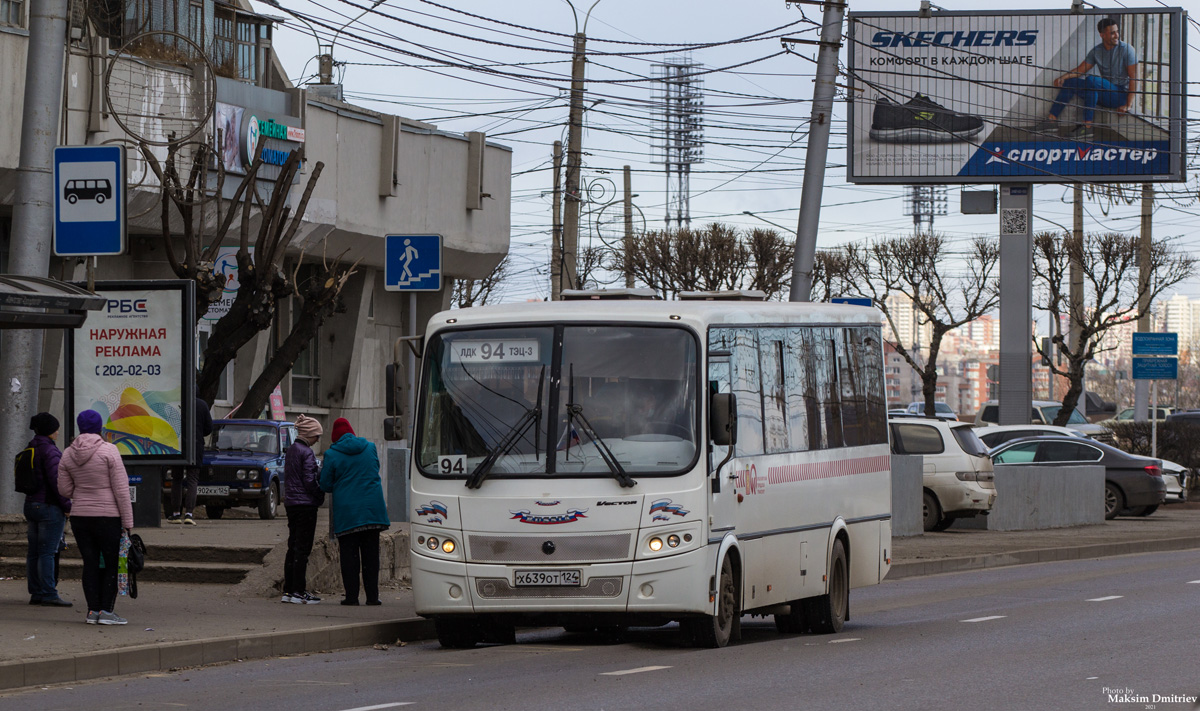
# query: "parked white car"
(958, 479)
(1175, 477)
(996, 435)
(1043, 413)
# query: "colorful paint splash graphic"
(143, 422)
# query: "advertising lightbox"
(1033, 96)
(133, 362)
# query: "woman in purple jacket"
(46, 513)
(302, 497)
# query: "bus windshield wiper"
(575, 412)
(514, 435)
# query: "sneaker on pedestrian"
(93, 616)
(288, 597)
(110, 618)
(35, 600)
(349, 602)
(309, 598)
(174, 518)
(56, 602)
(189, 520)
(374, 602)
(921, 120)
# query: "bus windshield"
(557, 400)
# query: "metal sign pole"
(1016, 304)
(1153, 418)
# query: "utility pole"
(1076, 306)
(33, 218)
(574, 158)
(1141, 392)
(818, 148)
(556, 233)
(628, 228)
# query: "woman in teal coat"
(351, 473)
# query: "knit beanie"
(341, 426)
(43, 424)
(310, 430)
(89, 422)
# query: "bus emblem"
(571, 516)
(665, 506)
(547, 503)
(433, 508)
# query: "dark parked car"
(243, 466)
(1130, 482)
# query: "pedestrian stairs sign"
(413, 263)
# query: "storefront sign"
(133, 362)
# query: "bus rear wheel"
(715, 631)
(828, 613)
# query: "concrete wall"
(907, 485)
(1031, 497)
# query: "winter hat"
(43, 424)
(89, 422)
(309, 428)
(341, 426)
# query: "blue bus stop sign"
(852, 300)
(413, 263)
(89, 201)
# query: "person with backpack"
(302, 496)
(45, 510)
(351, 473)
(92, 472)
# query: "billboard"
(133, 362)
(1035, 96)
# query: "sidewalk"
(175, 625)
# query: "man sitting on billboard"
(1114, 88)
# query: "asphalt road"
(1114, 633)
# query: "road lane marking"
(1194, 582)
(985, 619)
(848, 639)
(1105, 599)
(381, 706)
(639, 670)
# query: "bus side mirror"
(393, 429)
(393, 393)
(722, 419)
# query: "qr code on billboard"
(1014, 221)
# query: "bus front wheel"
(716, 631)
(457, 632)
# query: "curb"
(1039, 555)
(191, 653)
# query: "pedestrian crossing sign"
(413, 263)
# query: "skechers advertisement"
(1020, 97)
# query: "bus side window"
(747, 386)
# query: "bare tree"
(1113, 290)
(478, 292)
(771, 256)
(916, 267)
(831, 275)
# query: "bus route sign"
(89, 201)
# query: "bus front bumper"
(670, 584)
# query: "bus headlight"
(673, 540)
(432, 543)
(447, 546)
(656, 544)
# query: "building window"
(239, 42)
(12, 13)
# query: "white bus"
(597, 464)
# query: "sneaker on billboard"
(110, 618)
(921, 120)
(1044, 126)
(1082, 132)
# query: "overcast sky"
(459, 65)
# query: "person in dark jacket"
(351, 473)
(302, 496)
(185, 479)
(46, 512)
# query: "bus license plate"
(212, 490)
(547, 577)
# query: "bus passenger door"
(723, 505)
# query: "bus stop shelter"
(37, 302)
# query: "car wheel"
(268, 504)
(931, 513)
(1114, 501)
(457, 633)
(214, 512)
(945, 523)
(1146, 510)
(716, 630)
(828, 613)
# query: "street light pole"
(571, 196)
